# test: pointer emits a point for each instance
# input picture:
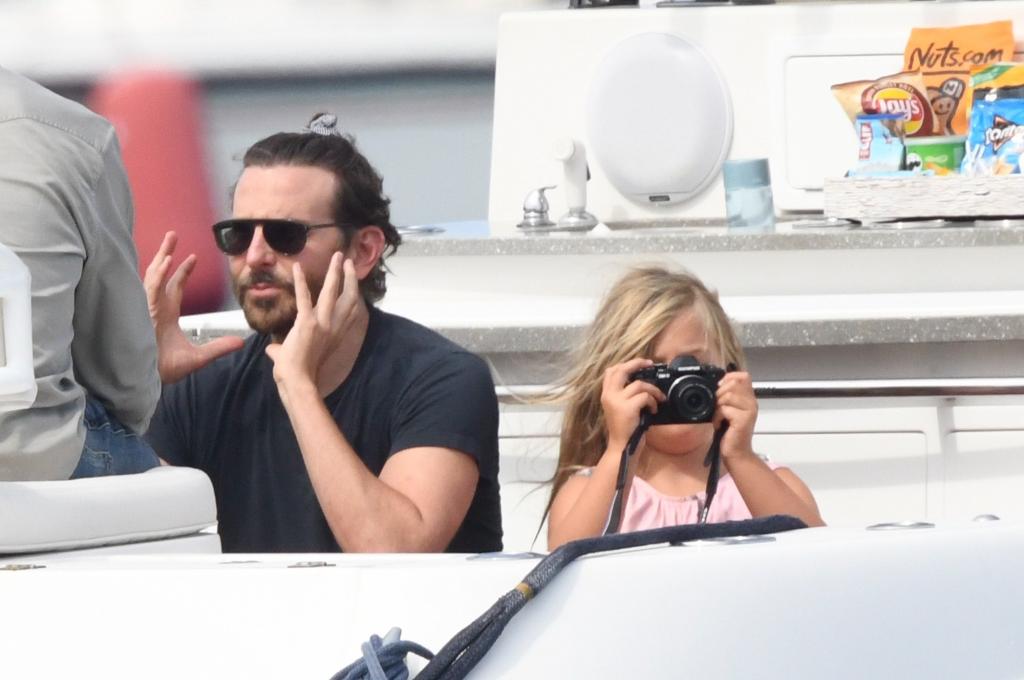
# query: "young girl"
(652, 316)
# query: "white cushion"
(160, 503)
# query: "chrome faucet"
(575, 173)
(535, 210)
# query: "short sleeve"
(451, 404)
(171, 424)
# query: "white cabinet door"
(526, 466)
(984, 474)
(858, 478)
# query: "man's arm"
(417, 503)
(423, 493)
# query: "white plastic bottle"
(17, 376)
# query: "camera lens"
(692, 399)
(698, 402)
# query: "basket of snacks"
(942, 139)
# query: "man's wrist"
(297, 386)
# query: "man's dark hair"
(360, 200)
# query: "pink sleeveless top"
(648, 508)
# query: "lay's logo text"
(903, 99)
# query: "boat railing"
(819, 389)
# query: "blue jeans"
(110, 447)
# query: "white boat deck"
(839, 603)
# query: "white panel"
(521, 420)
(526, 466)
(985, 474)
(17, 372)
(820, 141)
(858, 478)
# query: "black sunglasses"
(287, 237)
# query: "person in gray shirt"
(66, 211)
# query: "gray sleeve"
(114, 347)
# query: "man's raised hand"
(177, 355)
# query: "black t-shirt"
(409, 387)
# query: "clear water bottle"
(748, 194)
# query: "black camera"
(689, 386)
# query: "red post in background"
(158, 121)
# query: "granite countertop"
(515, 326)
(471, 238)
(764, 335)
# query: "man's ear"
(365, 249)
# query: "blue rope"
(458, 657)
(383, 659)
(462, 653)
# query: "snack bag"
(902, 93)
(881, 150)
(945, 57)
(995, 142)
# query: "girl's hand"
(737, 405)
(319, 330)
(623, 400)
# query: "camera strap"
(712, 461)
(618, 501)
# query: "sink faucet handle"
(535, 210)
(573, 156)
(536, 201)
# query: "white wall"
(429, 134)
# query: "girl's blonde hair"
(631, 318)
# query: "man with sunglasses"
(337, 425)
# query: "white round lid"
(659, 118)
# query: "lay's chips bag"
(902, 93)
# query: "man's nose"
(259, 251)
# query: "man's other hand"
(178, 356)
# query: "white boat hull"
(837, 603)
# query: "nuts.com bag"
(945, 57)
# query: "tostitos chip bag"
(945, 57)
(995, 142)
(902, 93)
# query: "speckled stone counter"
(771, 335)
(758, 335)
(788, 236)
(810, 303)
(949, 341)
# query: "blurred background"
(190, 84)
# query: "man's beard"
(269, 316)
